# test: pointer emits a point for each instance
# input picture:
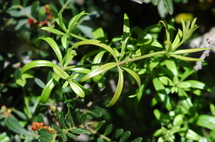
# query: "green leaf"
(186, 58)
(48, 88)
(34, 7)
(108, 129)
(36, 63)
(70, 54)
(118, 133)
(57, 128)
(61, 73)
(55, 47)
(80, 131)
(62, 122)
(206, 121)
(39, 82)
(161, 117)
(64, 41)
(96, 43)
(46, 136)
(4, 137)
(169, 5)
(166, 81)
(185, 100)
(118, 88)
(101, 123)
(14, 126)
(60, 22)
(185, 51)
(198, 84)
(126, 34)
(159, 87)
(99, 70)
(77, 89)
(178, 120)
(99, 34)
(54, 31)
(74, 21)
(63, 136)
(134, 75)
(189, 134)
(97, 59)
(71, 135)
(184, 85)
(96, 113)
(125, 136)
(170, 64)
(137, 140)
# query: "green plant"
(81, 88)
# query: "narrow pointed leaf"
(126, 34)
(186, 58)
(57, 128)
(64, 41)
(60, 22)
(48, 88)
(99, 70)
(36, 63)
(62, 122)
(97, 43)
(118, 133)
(169, 5)
(55, 47)
(74, 20)
(80, 131)
(170, 64)
(134, 75)
(77, 89)
(206, 121)
(118, 88)
(52, 30)
(183, 51)
(71, 135)
(97, 59)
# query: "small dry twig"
(211, 42)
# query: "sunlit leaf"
(186, 58)
(159, 87)
(97, 43)
(36, 63)
(185, 100)
(170, 64)
(99, 70)
(183, 51)
(77, 89)
(55, 47)
(134, 75)
(118, 88)
(166, 81)
(52, 30)
(64, 41)
(206, 121)
(48, 88)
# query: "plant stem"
(142, 57)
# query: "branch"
(211, 42)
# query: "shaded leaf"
(125, 136)
(108, 129)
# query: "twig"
(211, 42)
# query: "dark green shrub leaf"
(80, 131)
(108, 129)
(100, 125)
(34, 7)
(45, 135)
(83, 118)
(71, 135)
(63, 136)
(125, 136)
(14, 126)
(134, 75)
(57, 128)
(118, 133)
(96, 113)
(137, 139)
(62, 121)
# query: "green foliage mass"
(86, 86)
